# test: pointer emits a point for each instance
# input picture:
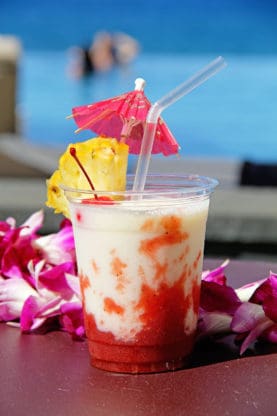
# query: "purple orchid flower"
(13, 294)
(216, 275)
(55, 290)
(72, 320)
(257, 318)
(36, 311)
(40, 289)
(38, 279)
(6, 227)
(58, 248)
(266, 295)
(17, 247)
(250, 321)
(55, 287)
(33, 223)
(249, 311)
(245, 292)
(218, 302)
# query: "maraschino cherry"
(97, 199)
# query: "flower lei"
(39, 289)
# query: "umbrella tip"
(139, 84)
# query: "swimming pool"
(232, 115)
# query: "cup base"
(139, 368)
(136, 359)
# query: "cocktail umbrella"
(123, 117)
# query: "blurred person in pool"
(105, 52)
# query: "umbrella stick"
(145, 156)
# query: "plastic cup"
(140, 263)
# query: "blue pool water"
(232, 115)
(179, 26)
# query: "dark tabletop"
(51, 375)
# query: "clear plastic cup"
(140, 263)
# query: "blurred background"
(233, 115)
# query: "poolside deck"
(238, 215)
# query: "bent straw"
(154, 113)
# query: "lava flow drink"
(140, 262)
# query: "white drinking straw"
(155, 112)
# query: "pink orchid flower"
(17, 247)
(38, 283)
(59, 247)
(39, 289)
(57, 288)
(218, 302)
(13, 294)
(249, 311)
(257, 318)
(72, 320)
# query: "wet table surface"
(51, 375)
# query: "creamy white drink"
(140, 262)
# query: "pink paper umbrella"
(123, 117)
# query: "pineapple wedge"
(105, 161)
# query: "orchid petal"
(10, 310)
(32, 224)
(217, 297)
(9, 223)
(74, 283)
(270, 307)
(29, 319)
(245, 292)
(266, 295)
(36, 311)
(54, 279)
(58, 248)
(214, 323)
(217, 275)
(6, 230)
(51, 307)
(19, 251)
(13, 293)
(35, 269)
(254, 334)
(15, 289)
(72, 320)
(267, 288)
(246, 317)
(4, 227)
(270, 334)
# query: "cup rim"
(161, 190)
(158, 184)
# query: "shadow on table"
(211, 351)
